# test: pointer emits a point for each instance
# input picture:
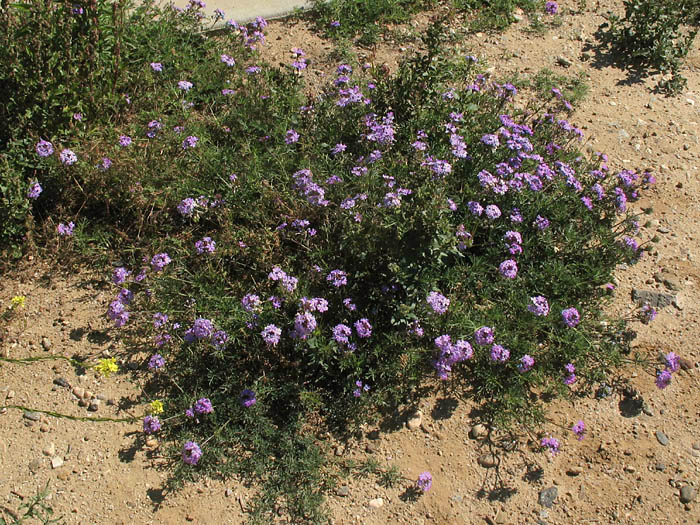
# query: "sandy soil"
(623, 472)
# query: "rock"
(478, 431)
(376, 503)
(678, 303)
(488, 460)
(61, 382)
(46, 343)
(228, 493)
(630, 469)
(371, 448)
(547, 496)
(574, 471)
(685, 364)
(653, 299)
(696, 446)
(661, 438)
(49, 450)
(342, 491)
(32, 416)
(623, 134)
(78, 392)
(83, 402)
(415, 420)
(339, 450)
(94, 405)
(660, 466)
(56, 461)
(10, 394)
(151, 442)
(671, 283)
(688, 494)
(35, 466)
(563, 61)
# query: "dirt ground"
(640, 459)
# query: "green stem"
(75, 418)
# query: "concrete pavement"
(243, 11)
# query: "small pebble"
(32, 416)
(488, 460)
(376, 503)
(46, 343)
(688, 494)
(61, 382)
(547, 496)
(342, 491)
(49, 450)
(56, 461)
(415, 420)
(661, 438)
(94, 405)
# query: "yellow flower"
(107, 366)
(18, 301)
(156, 407)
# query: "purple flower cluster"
(291, 137)
(647, 314)
(337, 278)
(361, 387)
(247, 398)
(118, 313)
(120, 274)
(539, 306)
(288, 282)
(206, 244)
(571, 317)
(425, 481)
(203, 406)
(363, 328)
(526, 363)
(304, 325)
(484, 336)
(579, 428)
(44, 148)
(271, 335)
(156, 362)
(450, 354)
(191, 453)
(438, 302)
(508, 269)
(381, 132)
(160, 261)
(151, 424)
(499, 354)
(190, 142)
(673, 364)
(68, 157)
(35, 190)
(66, 229)
(551, 444)
(304, 184)
(251, 303)
(570, 378)
(551, 8)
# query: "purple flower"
(104, 164)
(120, 274)
(190, 142)
(361, 387)
(117, 312)
(673, 361)
(334, 23)
(151, 424)
(499, 353)
(291, 137)
(304, 324)
(66, 229)
(271, 335)
(526, 363)
(551, 8)
(160, 261)
(579, 428)
(186, 206)
(490, 140)
(363, 328)
(78, 117)
(539, 306)
(337, 278)
(425, 481)
(157, 66)
(156, 362)
(542, 223)
(551, 444)
(570, 378)
(342, 333)
(347, 302)
(484, 336)
(68, 157)
(203, 406)
(184, 85)
(438, 302)
(247, 398)
(228, 60)
(571, 317)
(44, 148)
(202, 328)
(508, 269)
(160, 319)
(218, 339)
(124, 141)
(205, 245)
(663, 378)
(493, 212)
(253, 69)
(338, 148)
(648, 314)
(125, 296)
(191, 453)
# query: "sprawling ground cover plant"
(305, 263)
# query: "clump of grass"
(655, 37)
(302, 264)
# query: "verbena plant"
(656, 36)
(304, 264)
